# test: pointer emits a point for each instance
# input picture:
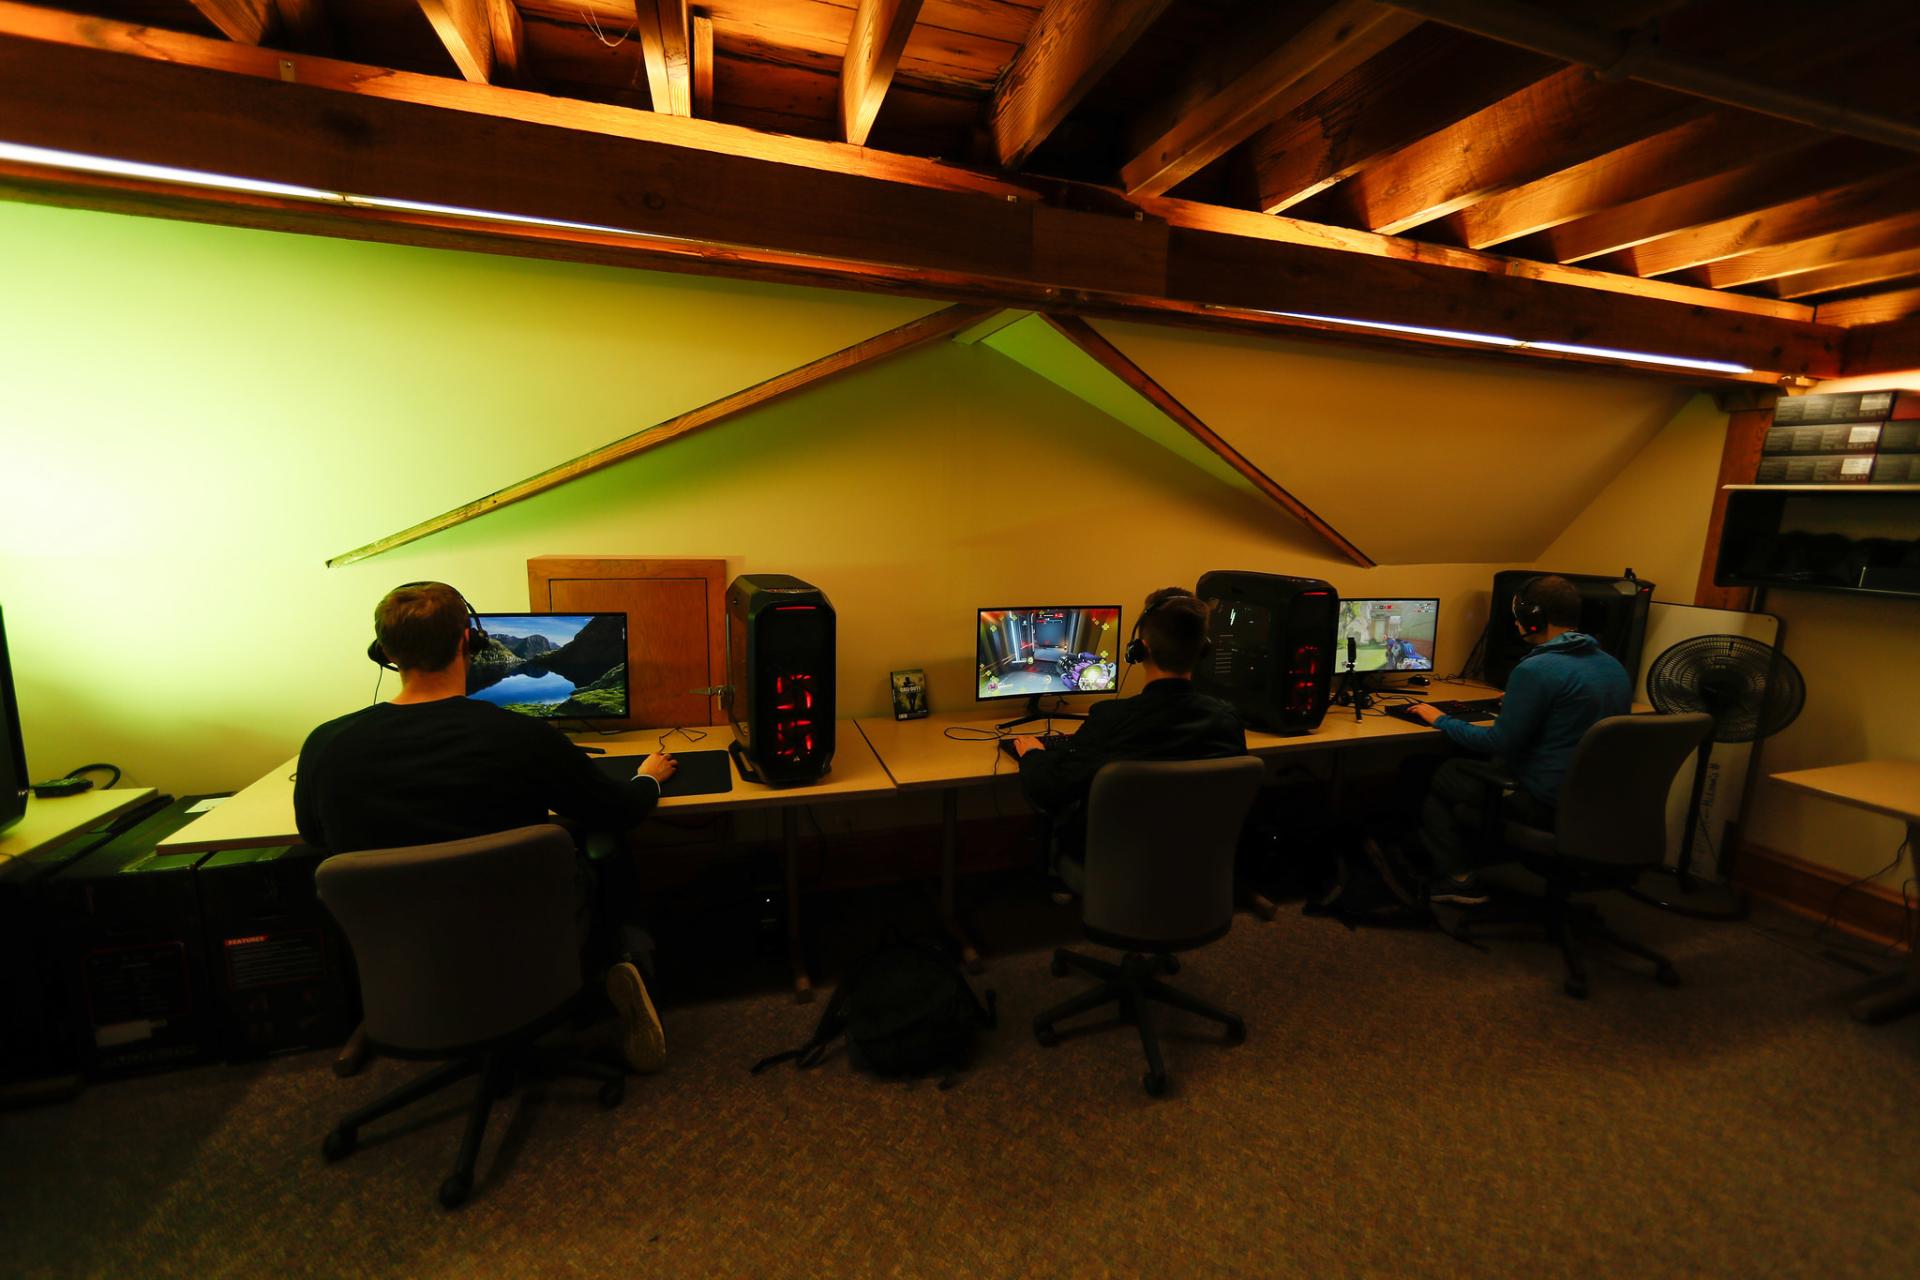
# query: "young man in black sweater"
(1166, 720)
(435, 765)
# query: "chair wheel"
(1058, 967)
(1667, 976)
(1169, 964)
(1155, 1083)
(1236, 1032)
(612, 1092)
(1046, 1035)
(340, 1143)
(1577, 988)
(454, 1191)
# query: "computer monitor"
(1030, 650)
(13, 756)
(560, 666)
(1387, 635)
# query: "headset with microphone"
(1136, 651)
(1528, 614)
(476, 634)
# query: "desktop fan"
(1751, 690)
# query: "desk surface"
(1884, 786)
(263, 813)
(47, 821)
(919, 754)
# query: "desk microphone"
(1353, 653)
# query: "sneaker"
(1462, 891)
(642, 1043)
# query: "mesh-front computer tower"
(1612, 611)
(780, 678)
(1272, 647)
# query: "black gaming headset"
(1530, 615)
(476, 634)
(1136, 650)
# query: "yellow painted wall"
(196, 417)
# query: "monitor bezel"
(1119, 624)
(1340, 656)
(626, 635)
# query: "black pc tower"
(13, 756)
(780, 678)
(1273, 640)
(1612, 611)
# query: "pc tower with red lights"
(1273, 647)
(780, 678)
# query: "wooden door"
(676, 640)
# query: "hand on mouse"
(659, 766)
(1427, 711)
(1027, 742)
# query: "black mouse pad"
(701, 773)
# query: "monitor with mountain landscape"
(561, 666)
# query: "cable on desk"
(691, 735)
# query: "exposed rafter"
(246, 21)
(304, 23)
(465, 28)
(1890, 235)
(666, 42)
(927, 329)
(1072, 45)
(1847, 275)
(701, 57)
(1877, 308)
(1892, 346)
(880, 31)
(509, 37)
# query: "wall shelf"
(1860, 539)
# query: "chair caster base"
(455, 1190)
(1155, 1083)
(340, 1143)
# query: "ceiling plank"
(1699, 147)
(1888, 235)
(464, 27)
(684, 207)
(305, 23)
(1848, 275)
(1711, 199)
(1892, 346)
(1072, 44)
(1822, 214)
(880, 31)
(1417, 85)
(701, 58)
(245, 21)
(1220, 107)
(1875, 308)
(932, 328)
(509, 38)
(666, 42)
(1111, 358)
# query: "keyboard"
(1047, 739)
(1473, 709)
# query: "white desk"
(48, 821)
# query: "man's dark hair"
(1556, 598)
(1174, 626)
(420, 625)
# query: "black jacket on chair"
(1166, 720)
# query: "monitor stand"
(1035, 713)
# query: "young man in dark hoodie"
(1555, 694)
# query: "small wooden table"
(1891, 787)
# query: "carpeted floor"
(1403, 1105)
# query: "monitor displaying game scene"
(564, 666)
(1022, 652)
(1388, 635)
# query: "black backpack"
(1372, 883)
(905, 1010)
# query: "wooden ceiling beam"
(666, 42)
(1072, 44)
(1877, 308)
(465, 28)
(1823, 214)
(1227, 97)
(1897, 265)
(1115, 361)
(1707, 145)
(1890, 235)
(305, 23)
(1744, 190)
(244, 21)
(509, 39)
(1893, 346)
(677, 205)
(701, 56)
(880, 31)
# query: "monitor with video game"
(1031, 651)
(557, 666)
(1387, 635)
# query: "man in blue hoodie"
(1555, 694)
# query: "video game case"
(1901, 437)
(1856, 468)
(1856, 437)
(1897, 468)
(1838, 406)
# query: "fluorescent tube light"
(489, 215)
(1458, 335)
(1644, 357)
(160, 173)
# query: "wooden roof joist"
(657, 195)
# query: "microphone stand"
(1354, 688)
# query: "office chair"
(1611, 825)
(468, 951)
(1161, 838)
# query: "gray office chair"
(1611, 825)
(1161, 838)
(468, 951)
